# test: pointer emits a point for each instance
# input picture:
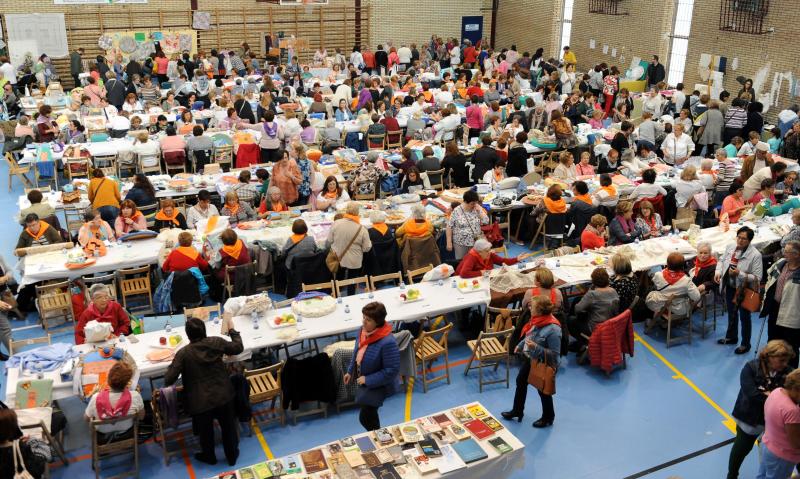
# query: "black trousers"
(203, 425)
(368, 417)
(741, 448)
(269, 155)
(347, 273)
(578, 326)
(77, 80)
(521, 394)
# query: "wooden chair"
(105, 161)
(174, 164)
(427, 348)
(397, 277)
(54, 300)
(160, 425)
(135, 282)
(100, 451)
(265, 385)
(553, 226)
(14, 169)
(199, 157)
(74, 218)
(396, 144)
(413, 273)
(342, 284)
(149, 212)
(222, 155)
(55, 442)
(43, 189)
(77, 167)
(320, 287)
(501, 251)
(567, 250)
(203, 312)
(109, 280)
(365, 196)
(672, 320)
(149, 163)
(229, 284)
(15, 346)
(379, 142)
(497, 319)
(438, 185)
(503, 216)
(283, 304)
(685, 223)
(704, 304)
(490, 349)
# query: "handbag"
(20, 472)
(747, 298)
(492, 234)
(542, 376)
(332, 260)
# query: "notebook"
(500, 445)
(449, 461)
(365, 444)
(469, 450)
(478, 429)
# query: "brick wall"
(414, 21)
(753, 51)
(643, 33)
(529, 28)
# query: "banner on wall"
(95, 2)
(39, 32)
(138, 44)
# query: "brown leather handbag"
(542, 376)
(747, 298)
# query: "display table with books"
(462, 442)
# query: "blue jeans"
(773, 467)
(735, 316)
(109, 214)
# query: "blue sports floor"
(665, 405)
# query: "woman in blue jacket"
(541, 340)
(375, 364)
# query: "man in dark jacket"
(483, 159)
(115, 90)
(381, 60)
(655, 72)
(76, 65)
(207, 386)
(133, 68)
(580, 212)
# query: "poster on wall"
(138, 44)
(47, 30)
(303, 2)
(95, 2)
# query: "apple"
(278, 320)
(162, 341)
(403, 296)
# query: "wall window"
(680, 41)
(566, 25)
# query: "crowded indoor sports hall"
(368, 239)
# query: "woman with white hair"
(481, 258)
(677, 146)
(687, 187)
(417, 226)
(379, 231)
(705, 264)
(102, 309)
(630, 161)
(707, 176)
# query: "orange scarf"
(365, 339)
(297, 238)
(233, 251)
(212, 223)
(585, 198)
(380, 227)
(672, 277)
(278, 207)
(136, 215)
(498, 176)
(416, 229)
(557, 206)
(233, 209)
(353, 218)
(188, 251)
(698, 265)
(42, 228)
(163, 216)
(332, 194)
(611, 190)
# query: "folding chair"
(672, 319)
(174, 161)
(135, 283)
(54, 300)
(18, 345)
(74, 218)
(223, 155)
(109, 280)
(149, 164)
(100, 451)
(436, 179)
(376, 142)
(397, 277)
(77, 167)
(411, 274)
(327, 286)
(55, 442)
(160, 425)
(553, 226)
(490, 349)
(265, 385)
(398, 135)
(427, 349)
(342, 284)
(203, 312)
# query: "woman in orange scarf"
(184, 256)
(232, 253)
(415, 227)
(169, 217)
(130, 219)
(607, 193)
(705, 265)
(299, 244)
(94, 228)
(553, 202)
(237, 211)
(286, 176)
(272, 202)
(375, 364)
(332, 194)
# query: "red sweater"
(177, 261)
(113, 314)
(471, 267)
(589, 240)
(228, 260)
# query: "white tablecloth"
(436, 300)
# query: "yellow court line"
(728, 422)
(409, 393)
(263, 441)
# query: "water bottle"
(339, 300)
(402, 285)
(347, 309)
(558, 263)
(440, 282)
(254, 318)
(453, 283)
(168, 326)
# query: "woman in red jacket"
(232, 253)
(595, 234)
(184, 256)
(102, 309)
(481, 258)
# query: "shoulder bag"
(20, 472)
(747, 298)
(542, 376)
(332, 260)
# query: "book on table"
(354, 458)
(461, 414)
(365, 444)
(449, 460)
(313, 461)
(430, 448)
(479, 429)
(371, 459)
(469, 450)
(493, 423)
(385, 471)
(500, 445)
(262, 471)
(477, 411)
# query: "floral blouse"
(466, 225)
(650, 230)
(366, 175)
(306, 172)
(610, 85)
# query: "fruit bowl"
(411, 295)
(283, 320)
(469, 285)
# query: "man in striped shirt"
(727, 172)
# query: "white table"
(50, 265)
(436, 300)
(494, 466)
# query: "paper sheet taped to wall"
(47, 31)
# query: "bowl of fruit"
(469, 286)
(283, 321)
(171, 341)
(410, 295)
